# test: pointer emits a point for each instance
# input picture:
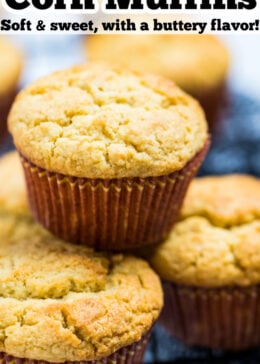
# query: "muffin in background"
(210, 265)
(108, 153)
(197, 63)
(12, 185)
(10, 70)
(66, 303)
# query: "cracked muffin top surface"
(10, 66)
(94, 121)
(217, 240)
(62, 302)
(197, 63)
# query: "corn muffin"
(210, 265)
(66, 303)
(108, 153)
(13, 185)
(10, 69)
(197, 63)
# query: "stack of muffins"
(108, 155)
(67, 303)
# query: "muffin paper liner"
(218, 318)
(108, 214)
(132, 354)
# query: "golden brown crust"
(10, 67)
(197, 63)
(225, 201)
(62, 302)
(217, 241)
(96, 122)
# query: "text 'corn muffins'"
(107, 153)
(210, 264)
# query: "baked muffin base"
(111, 214)
(220, 318)
(132, 354)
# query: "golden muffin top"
(10, 66)
(197, 63)
(217, 240)
(64, 302)
(94, 121)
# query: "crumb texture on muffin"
(225, 201)
(197, 63)
(96, 122)
(63, 302)
(10, 66)
(216, 242)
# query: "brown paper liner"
(108, 214)
(218, 318)
(132, 354)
